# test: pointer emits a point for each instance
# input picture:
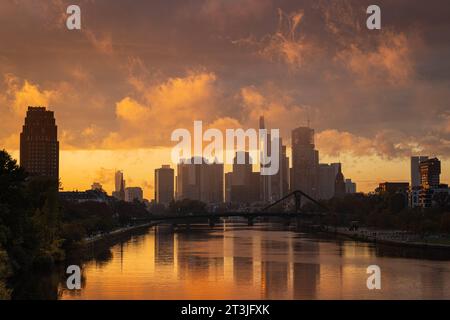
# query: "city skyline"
(224, 151)
(210, 182)
(371, 96)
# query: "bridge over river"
(298, 214)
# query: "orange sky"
(139, 70)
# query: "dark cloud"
(387, 90)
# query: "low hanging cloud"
(387, 144)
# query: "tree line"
(37, 229)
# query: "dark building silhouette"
(39, 146)
(305, 162)
(242, 185)
(203, 181)
(339, 186)
(119, 192)
(430, 171)
(164, 185)
(392, 187)
(274, 187)
(264, 179)
(415, 170)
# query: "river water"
(266, 261)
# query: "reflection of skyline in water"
(262, 262)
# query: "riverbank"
(118, 232)
(389, 237)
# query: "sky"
(137, 70)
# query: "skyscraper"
(274, 187)
(279, 183)
(327, 180)
(350, 186)
(339, 186)
(240, 184)
(415, 170)
(430, 171)
(265, 179)
(202, 181)
(134, 194)
(305, 162)
(164, 185)
(119, 192)
(39, 145)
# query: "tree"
(29, 215)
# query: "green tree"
(29, 215)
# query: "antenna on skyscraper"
(307, 118)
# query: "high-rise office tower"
(350, 186)
(430, 171)
(265, 180)
(39, 146)
(274, 187)
(279, 183)
(327, 180)
(228, 186)
(119, 192)
(188, 180)
(164, 185)
(339, 186)
(241, 186)
(202, 182)
(211, 189)
(305, 162)
(134, 194)
(415, 170)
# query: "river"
(266, 261)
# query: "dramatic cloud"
(165, 107)
(389, 61)
(140, 69)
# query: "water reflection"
(262, 262)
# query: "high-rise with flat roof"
(202, 181)
(415, 170)
(164, 184)
(119, 182)
(350, 186)
(273, 187)
(134, 194)
(305, 162)
(39, 145)
(241, 184)
(327, 179)
(430, 171)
